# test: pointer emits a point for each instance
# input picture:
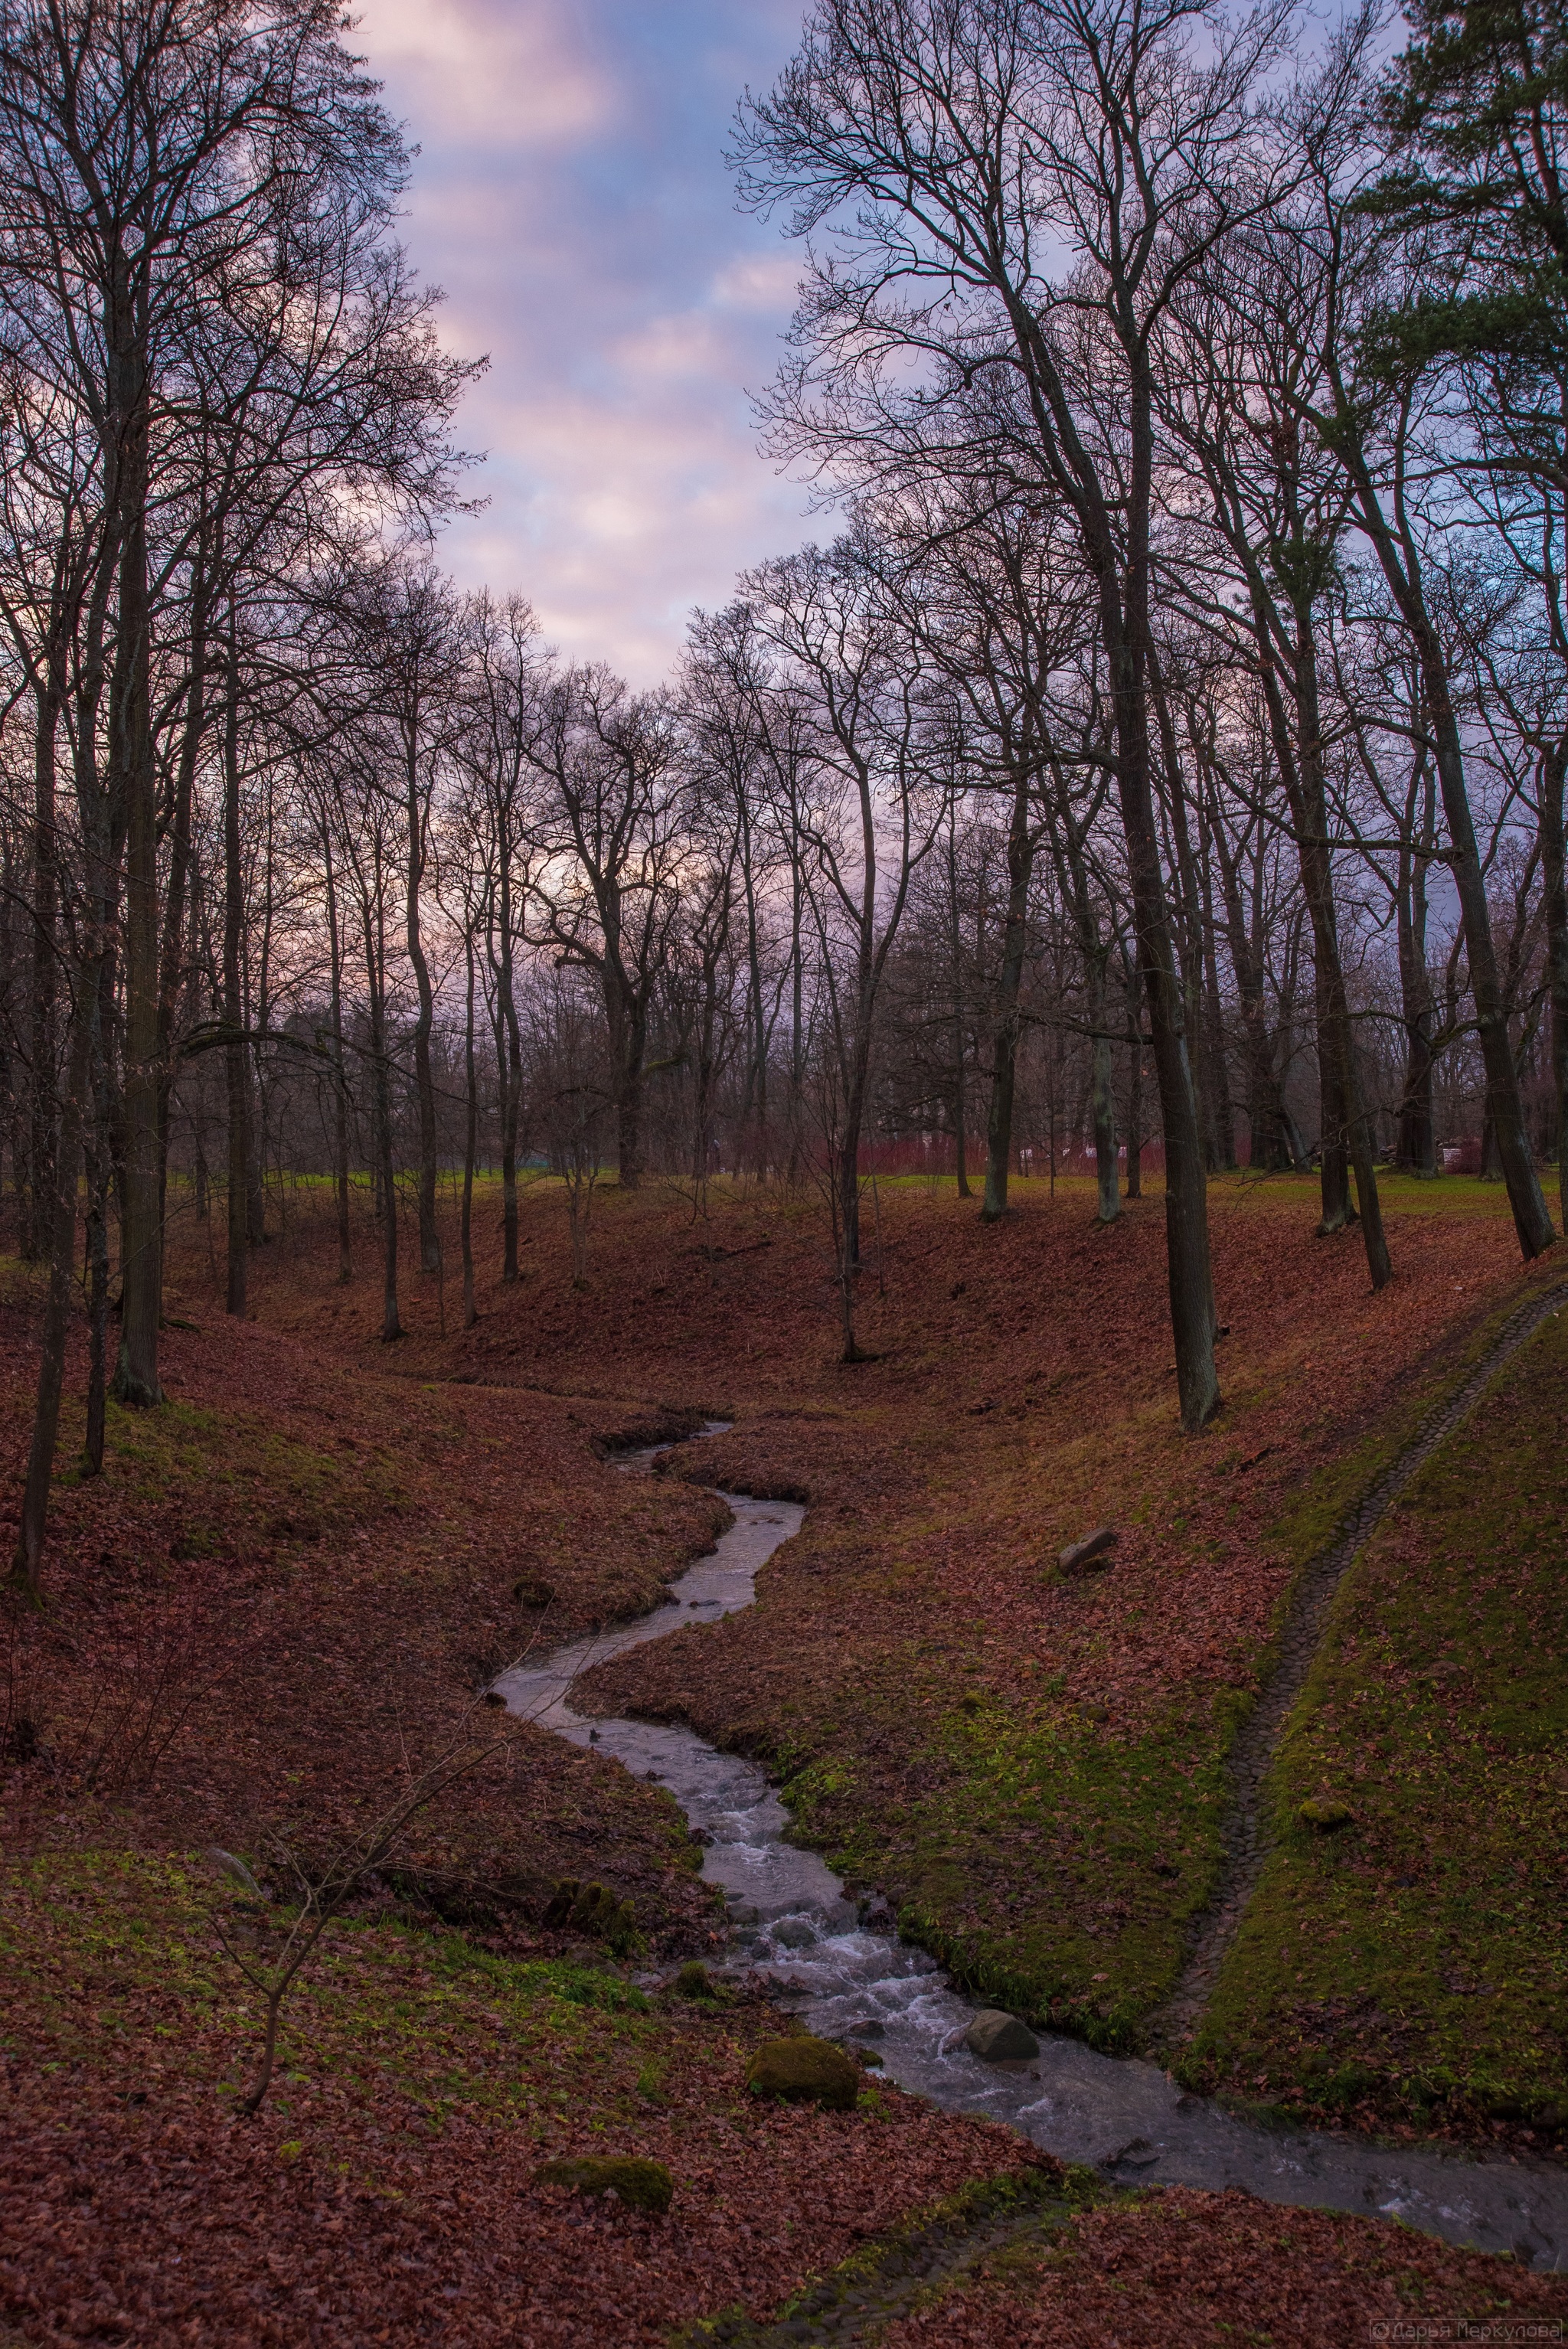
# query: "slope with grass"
(1410, 1963)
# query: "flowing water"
(848, 1978)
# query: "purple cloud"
(572, 198)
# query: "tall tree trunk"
(508, 1068)
(26, 1564)
(1128, 650)
(1222, 1114)
(141, 1260)
(171, 959)
(470, 1134)
(381, 1096)
(1416, 1151)
(1530, 1221)
(1134, 1084)
(1554, 875)
(37, 1219)
(1072, 874)
(1265, 1117)
(1346, 1137)
(628, 1024)
(1187, 936)
(236, 1070)
(955, 950)
(424, 1081)
(98, 1171)
(340, 1067)
(1009, 986)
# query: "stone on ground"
(805, 2071)
(1090, 1551)
(998, 2038)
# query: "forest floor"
(286, 1594)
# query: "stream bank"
(831, 1961)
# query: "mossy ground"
(1052, 1869)
(1413, 1965)
(390, 2185)
(115, 1963)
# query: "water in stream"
(847, 1980)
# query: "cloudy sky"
(570, 197)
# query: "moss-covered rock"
(694, 1980)
(641, 2185)
(805, 2071)
(1324, 1813)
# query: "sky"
(571, 196)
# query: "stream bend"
(791, 1924)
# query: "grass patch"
(1051, 1867)
(232, 1470)
(106, 1954)
(1413, 1964)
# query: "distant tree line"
(1167, 754)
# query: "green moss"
(1053, 1867)
(805, 2071)
(102, 1948)
(1313, 1519)
(234, 1469)
(1421, 1963)
(641, 2185)
(694, 1980)
(1322, 1812)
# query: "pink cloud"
(572, 198)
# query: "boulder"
(233, 1866)
(805, 2071)
(641, 2185)
(1326, 1813)
(1090, 1551)
(998, 2038)
(694, 1980)
(794, 1933)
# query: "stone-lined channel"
(847, 1978)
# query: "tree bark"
(236, 1071)
(1555, 882)
(470, 1134)
(424, 1081)
(340, 1070)
(1009, 986)
(26, 1566)
(136, 1378)
(1126, 637)
(1417, 1146)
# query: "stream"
(828, 1961)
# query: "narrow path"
(1246, 1844)
(885, 2279)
